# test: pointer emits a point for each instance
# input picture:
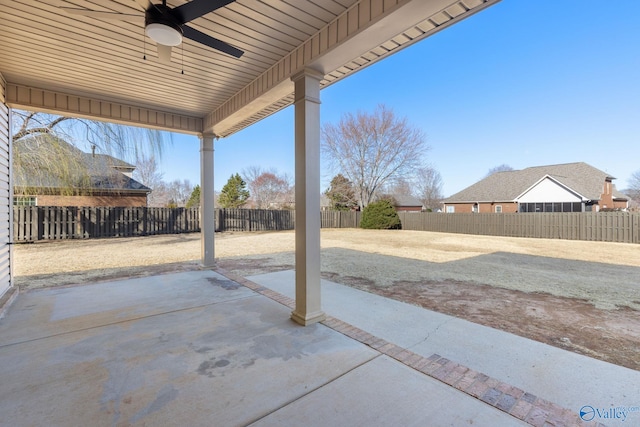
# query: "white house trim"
(550, 195)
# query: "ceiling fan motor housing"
(161, 27)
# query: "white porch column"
(307, 158)
(207, 212)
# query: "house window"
(498, 208)
(551, 207)
(451, 209)
(24, 201)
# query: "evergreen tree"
(341, 193)
(194, 198)
(380, 215)
(234, 193)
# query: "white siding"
(549, 191)
(5, 194)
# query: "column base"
(309, 319)
(207, 264)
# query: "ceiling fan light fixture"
(164, 34)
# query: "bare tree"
(126, 142)
(178, 192)
(147, 172)
(268, 188)
(428, 186)
(52, 145)
(400, 186)
(500, 168)
(372, 149)
(634, 186)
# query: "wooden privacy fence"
(254, 219)
(623, 227)
(34, 223)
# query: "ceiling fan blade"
(206, 40)
(98, 14)
(197, 8)
(164, 53)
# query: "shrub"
(380, 215)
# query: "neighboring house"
(407, 203)
(51, 172)
(325, 203)
(570, 187)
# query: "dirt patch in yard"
(569, 323)
(580, 296)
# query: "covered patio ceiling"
(56, 61)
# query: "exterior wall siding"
(5, 193)
(549, 191)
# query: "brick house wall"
(408, 208)
(606, 198)
(507, 207)
(619, 204)
(120, 200)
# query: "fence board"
(33, 223)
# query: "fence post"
(34, 223)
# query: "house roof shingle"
(406, 200)
(582, 178)
(55, 164)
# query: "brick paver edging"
(525, 406)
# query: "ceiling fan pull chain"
(144, 45)
(182, 55)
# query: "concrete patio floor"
(200, 349)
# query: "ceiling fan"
(167, 26)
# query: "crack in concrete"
(430, 333)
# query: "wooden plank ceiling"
(71, 64)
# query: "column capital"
(208, 136)
(307, 85)
(307, 72)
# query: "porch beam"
(367, 32)
(307, 197)
(48, 101)
(207, 196)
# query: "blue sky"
(525, 83)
